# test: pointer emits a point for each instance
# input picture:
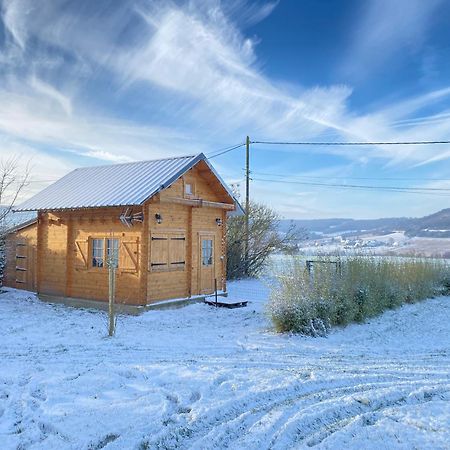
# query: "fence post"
(112, 289)
(215, 289)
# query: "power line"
(35, 181)
(223, 151)
(349, 177)
(358, 185)
(350, 143)
(410, 190)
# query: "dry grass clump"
(351, 289)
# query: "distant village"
(357, 242)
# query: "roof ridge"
(194, 155)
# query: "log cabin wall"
(168, 277)
(98, 227)
(51, 254)
(20, 271)
(178, 256)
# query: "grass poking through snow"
(339, 291)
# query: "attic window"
(188, 189)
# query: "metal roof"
(113, 185)
(14, 221)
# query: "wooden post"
(112, 288)
(189, 253)
(247, 203)
(215, 289)
(224, 251)
(69, 257)
(39, 251)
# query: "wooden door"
(25, 266)
(31, 266)
(206, 263)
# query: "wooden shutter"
(129, 256)
(177, 251)
(82, 254)
(159, 252)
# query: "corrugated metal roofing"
(113, 185)
(17, 220)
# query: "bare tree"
(12, 182)
(265, 238)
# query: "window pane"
(207, 252)
(97, 252)
(188, 189)
(112, 252)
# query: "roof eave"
(77, 208)
(21, 226)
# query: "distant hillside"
(434, 225)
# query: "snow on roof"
(125, 184)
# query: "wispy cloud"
(140, 79)
(194, 53)
(387, 28)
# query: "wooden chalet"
(161, 223)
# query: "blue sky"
(85, 83)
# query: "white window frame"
(94, 252)
(97, 254)
(210, 250)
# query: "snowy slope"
(207, 378)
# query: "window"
(97, 252)
(207, 252)
(112, 252)
(189, 187)
(105, 251)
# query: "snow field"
(206, 378)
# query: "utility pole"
(247, 202)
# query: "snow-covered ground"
(206, 378)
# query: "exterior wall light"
(158, 218)
(219, 222)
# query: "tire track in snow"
(215, 379)
(310, 406)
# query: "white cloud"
(52, 94)
(14, 18)
(195, 53)
(199, 58)
(33, 118)
(43, 168)
(388, 27)
(196, 75)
